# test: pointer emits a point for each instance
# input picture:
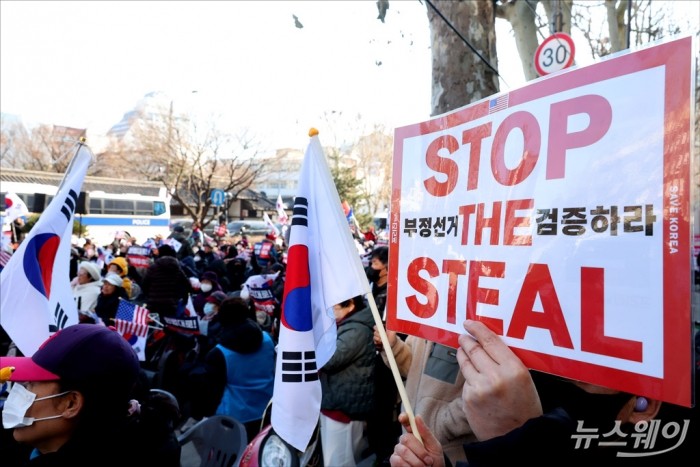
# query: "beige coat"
(434, 389)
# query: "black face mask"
(372, 275)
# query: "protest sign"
(559, 215)
(138, 256)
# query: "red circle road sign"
(554, 53)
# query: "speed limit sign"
(554, 53)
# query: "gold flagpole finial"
(6, 373)
(313, 132)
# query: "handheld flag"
(173, 243)
(189, 308)
(349, 214)
(35, 294)
(270, 224)
(14, 208)
(281, 213)
(131, 322)
(323, 269)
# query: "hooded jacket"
(347, 378)
(164, 283)
(242, 368)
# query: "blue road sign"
(217, 197)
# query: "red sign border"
(676, 384)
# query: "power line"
(465, 41)
(537, 16)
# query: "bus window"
(143, 216)
(95, 206)
(144, 208)
(158, 208)
(118, 206)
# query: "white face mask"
(208, 308)
(18, 402)
(205, 287)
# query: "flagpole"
(392, 364)
(13, 233)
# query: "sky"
(243, 63)
(85, 64)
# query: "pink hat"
(88, 355)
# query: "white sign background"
(625, 167)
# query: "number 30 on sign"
(554, 54)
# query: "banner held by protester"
(560, 220)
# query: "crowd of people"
(85, 391)
(234, 288)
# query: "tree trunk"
(560, 8)
(616, 24)
(459, 75)
(521, 16)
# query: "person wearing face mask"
(209, 323)
(71, 401)
(209, 283)
(191, 373)
(383, 429)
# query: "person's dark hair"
(166, 250)
(151, 424)
(210, 276)
(359, 302)
(277, 267)
(235, 310)
(381, 253)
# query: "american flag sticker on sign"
(499, 103)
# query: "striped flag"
(131, 322)
(323, 269)
(131, 319)
(4, 257)
(499, 103)
(35, 294)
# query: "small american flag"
(4, 257)
(131, 319)
(499, 103)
